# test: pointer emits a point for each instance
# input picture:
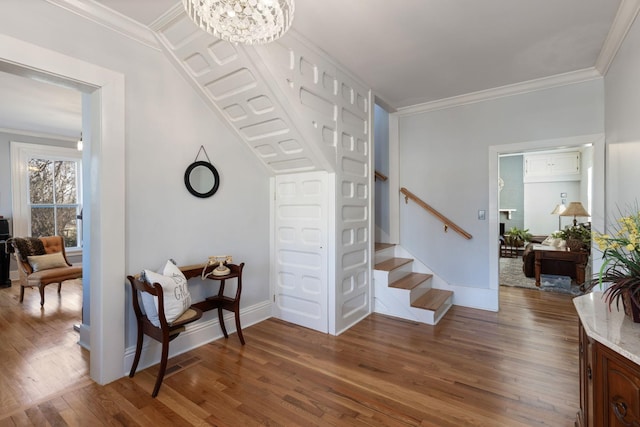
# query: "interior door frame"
(105, 214)
(325, 293)
(598, 189)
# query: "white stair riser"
(399, 273)
(384, 255)
(395, 309)
(419, 290)
(397, 302)
(443, 309)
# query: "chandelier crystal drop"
(242, 21)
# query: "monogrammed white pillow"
(177, 298)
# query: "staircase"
(402, 292)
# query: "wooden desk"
(219, 301)
(547, 255)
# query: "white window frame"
(21, 153)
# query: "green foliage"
(517, 236)
(621, 255)
(577, 232)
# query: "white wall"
(539, 200)
(622, 125)
(444, 160)
(381, 159)
(166, 122)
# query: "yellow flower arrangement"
(621, 255)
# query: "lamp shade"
(558, 209)
(575, 209)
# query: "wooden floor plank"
(517, 367)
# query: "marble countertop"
(609, 327)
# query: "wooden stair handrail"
(447, 222)
(380, 176)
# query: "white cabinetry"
(563, 166)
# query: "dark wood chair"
(165, 333)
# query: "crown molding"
(110, 19)
(626, 15)
(167, 18)
(42, 135)
(503, 91)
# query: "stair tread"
(410, 281)
(380, 246)
(432, 300)
(392, 264)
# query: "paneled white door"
(301, 229)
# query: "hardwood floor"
(518, 367)
(39, 354)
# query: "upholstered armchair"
(41, 262)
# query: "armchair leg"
(59, 286)
(21, 293)
(41, 289)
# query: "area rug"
(511, 274)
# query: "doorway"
(596, 188)
(104, 216)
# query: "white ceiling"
(417, 51)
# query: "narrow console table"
(551, 260)
(609, 350)
(220, 301)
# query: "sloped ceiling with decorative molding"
(417, 55)
(229, 81)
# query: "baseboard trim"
(196, 335)
(85, 337)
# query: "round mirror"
(201, 179)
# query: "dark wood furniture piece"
(609, 386)
(165, 333)
(220, 301)
(42, 278)
(549, 260)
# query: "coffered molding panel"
(298, 111)
(233, 86)
(333, 110)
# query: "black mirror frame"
(213, 170)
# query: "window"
(47, 192)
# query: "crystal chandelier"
(242, 21)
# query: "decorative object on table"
(577, 237)
(558, 210)
(242, 21)
(201, 178)
(575, 209)
(620, 270)
(221, 269)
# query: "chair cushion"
(177, 298)
(188, 316)
(46, 262)
(53, 275)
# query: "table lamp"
(575, 209)
(558, 211)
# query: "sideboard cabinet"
(609, 386)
